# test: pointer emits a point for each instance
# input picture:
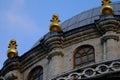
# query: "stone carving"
(93, 71)
(108, 25)
(54, 43)
(13, 75)
(105, 38)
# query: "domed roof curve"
(84, 18)
(87, 17)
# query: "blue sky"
(28, 20)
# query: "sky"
(27, 21)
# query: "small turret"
(55, 23)
(106, 7)
(12, 52)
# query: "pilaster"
(108, 26)
(54, 43)
(12, 69)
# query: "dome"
(87, 17)
(84, 18)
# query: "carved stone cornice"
(11, 64)
(105, 38)
(53, 43)
(55, 52)
(108, 23)
(92, 71)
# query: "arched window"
(83, 55)
(36, 73)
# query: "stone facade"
(54, 52)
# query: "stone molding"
(110, 24)
(92, 71)
(53, 40)
(55, 52)
(53, 43)
(105, 38)
(13, 75)
(11, 64)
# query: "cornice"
(11, 64)
(105, 38)
(107, 23)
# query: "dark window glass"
(84, 54)
(36, 74)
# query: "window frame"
(83, 47)
(37, 69)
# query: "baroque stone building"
(86, 47)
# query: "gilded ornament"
(106, 7)
(12, 52)
(55, 23)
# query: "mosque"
(86, 46)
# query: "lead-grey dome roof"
(84, 18)
(87, 17)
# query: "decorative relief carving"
(115, 66)
(11, 75)
(55, 52)
(89, 72)
(93, 71)
(54, 44)
(110, 24)
(102, 68)
(105, 38)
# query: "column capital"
(105, 38)
(108, 24)
(56, 52)
(53, 43)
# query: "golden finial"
(12, 52)
(106, 7)
(55, 23)
(104, 2)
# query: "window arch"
(83, 55)
(36, 73)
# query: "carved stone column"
(54, 43)
(12, 69)
(13, 75)
(109, 41)
(12, 66)
(108, 25)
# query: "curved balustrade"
(92, 71)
